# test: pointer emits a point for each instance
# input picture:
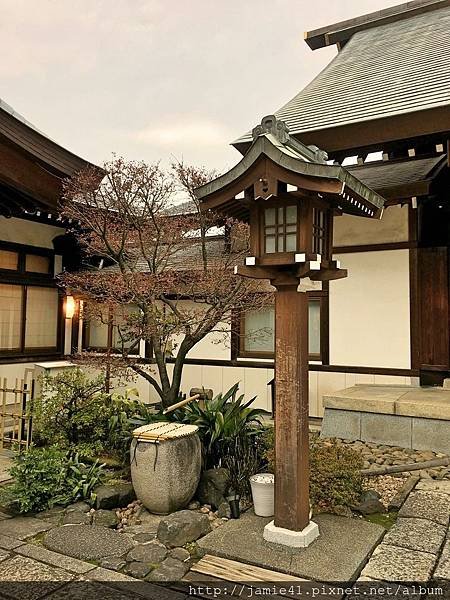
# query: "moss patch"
(386, 520)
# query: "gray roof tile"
(384, 71)
(388, 174)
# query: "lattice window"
(280, 229)
(319, 238)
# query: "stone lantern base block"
(287, 537)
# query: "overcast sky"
(156, 79)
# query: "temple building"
(381, 110)
(34, 248)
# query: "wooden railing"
(15, 414)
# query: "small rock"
(169, 570)
(105, 518)
(76, 517)
(137, 569)
(80, 506)
(113, 496)
(54, 515)
(181, 527)
(224, 510)
(213, 486)
(370, 507)
(153, 552)
(204, 510)
(343, 511)
(180, 554)
(194, 505)
(113, 564)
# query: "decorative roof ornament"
(270, 124)
(320, 155)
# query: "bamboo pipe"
(180, 404)
(428, 464)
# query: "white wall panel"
(369, 311)
(21, 231)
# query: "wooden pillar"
(291, 419)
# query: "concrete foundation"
(293, 539)
(416, 418)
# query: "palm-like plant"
(221, 421)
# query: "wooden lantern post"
(289, 195)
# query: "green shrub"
(127, 413)
(221, 421)
(335, 475)
(72, 412)
(335, 472)
(44, 477)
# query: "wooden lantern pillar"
(289, 195)
(291, 418)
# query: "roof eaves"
(24, 134)
(264, 145)
(339, 33)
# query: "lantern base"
(287, 537)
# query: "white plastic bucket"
(263, 492)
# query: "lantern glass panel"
(291, 242)
(280, 229)
(270, 216)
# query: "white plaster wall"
(355, 231)
(21, 231)
(369, 311)
(252, 382)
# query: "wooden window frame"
(238, 330)
(21, 274)
(109, 348)
(25, 279)
(279, 227)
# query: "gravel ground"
(375, 455)
(386, 485)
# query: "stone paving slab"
(53, 558)
(22, 528)
(443, 568)
(427, 505)
(8, 543)
(416, 534)
(391, 563)
(376, 590)
(87, 542)
(80, 590)
(128, 584)
(337, 555)
(433, 485)
(23, 578)
(4, 555)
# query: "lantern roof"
(275, 156)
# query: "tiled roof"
(18, 130)
(393, 173)
(392, 69)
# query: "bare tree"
(161, 277)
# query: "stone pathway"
(417, 547)
(29, 571)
